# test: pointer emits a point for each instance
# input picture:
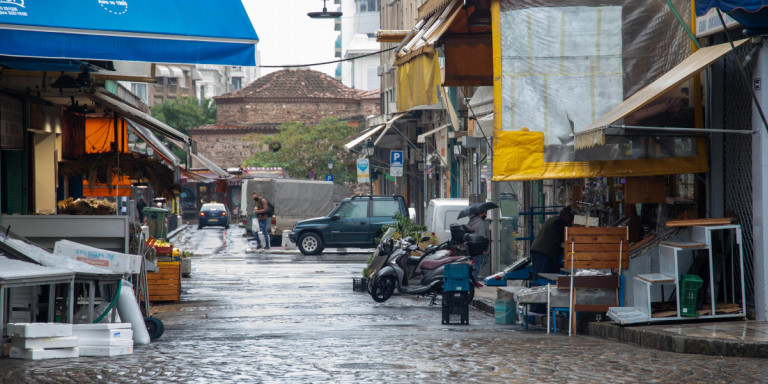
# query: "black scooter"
(399, 273)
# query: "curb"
(483, 305)
(672, 342)
(176, 231)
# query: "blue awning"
(168, 31)
(752, 14)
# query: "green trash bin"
(157, 221)
(689, 291)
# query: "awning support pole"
(678, 129)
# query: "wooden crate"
(165, 284)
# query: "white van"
(441, 213)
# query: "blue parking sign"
(396, 163)
(328, 177)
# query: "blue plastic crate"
(456, 270)
(456, 284)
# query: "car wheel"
(226, 226)
(382, 288)
(310, 243)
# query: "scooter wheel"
(155, 327)
(382, 288)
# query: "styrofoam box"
(116, 261)
(103, 334)
(94, 350)
(41, 354)
(39, 329)
(44, 342)
(95, 342)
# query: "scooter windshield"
(388, 234)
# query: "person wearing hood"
(478, 226)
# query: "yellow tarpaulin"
(417, 81)
(519, 155)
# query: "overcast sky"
(288, 36)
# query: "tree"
(299, 149)
(183, 113)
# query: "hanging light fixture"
(324, 14)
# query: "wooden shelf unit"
(670, 256)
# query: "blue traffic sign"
(396, 158)
(328, 177)
(396, 163)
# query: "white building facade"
(359, 24)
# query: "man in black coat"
(547, 248)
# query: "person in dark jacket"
(547, 248)
(140, 208)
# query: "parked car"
(213, 214)
(441, 213)
(355, 222)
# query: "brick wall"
(224, 149)
(277, 113)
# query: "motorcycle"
(415, 275)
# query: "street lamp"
(368, 150)
(330, 163)
(324, 14)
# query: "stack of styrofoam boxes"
(36, 341)
(104, 339)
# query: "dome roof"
(292, 85)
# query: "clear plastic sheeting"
(565, 63)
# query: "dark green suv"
(355, 222)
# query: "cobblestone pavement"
(286, 318)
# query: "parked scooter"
(398, 270)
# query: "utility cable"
(326, 62)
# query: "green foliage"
(299, 149)
(404, 227)
(184, 113)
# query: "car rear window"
(213, 207)
(385, 208)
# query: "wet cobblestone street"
(283, 318)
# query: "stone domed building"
(290, 95)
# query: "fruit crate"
(456, 277)
(360, 284)
(165, 284)
(455, 313)
(455, 297)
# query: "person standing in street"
(260, 209)
(140, 208)
(478, 226)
